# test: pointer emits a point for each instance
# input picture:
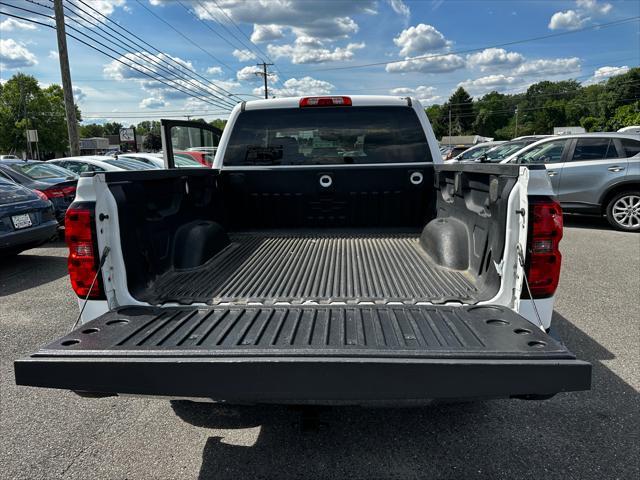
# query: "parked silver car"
(592, 173)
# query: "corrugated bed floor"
(323, 268)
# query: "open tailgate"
(288, 354)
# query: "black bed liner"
(308, 354)
(321, 267)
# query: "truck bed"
(320, 267)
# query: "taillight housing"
(60, 192)
(84, 258)
(325, 102)
(41, 195)
(542, 265)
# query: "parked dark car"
(56, 183)
(27, 218)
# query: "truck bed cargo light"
(325, 102)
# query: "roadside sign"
(127, 135)
(32, 135)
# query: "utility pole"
(65, 73)
(449, 124)
(516, 132)
(264, 74)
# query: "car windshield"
(129, 164)
(473, 153)
(185, 161)
(135, 159)
(41, 171)
(327, 136)
(503, 151)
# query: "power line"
(188, 93)
(478, 49)
(184, 36)
(256, 47)
(178, 74)
(222, 37)
(169, 57)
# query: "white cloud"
(312, 50)
(214, 70)
(594, 7)
(78, 94)
(11, 24)
(295, 87)
(313, 19)
(420, 39)
(604, 73)
(569, 20)
(179, 89)
(15, 55)
(494, 57)
(576, 18)
(434, 64)
(548, 67)
(107, 7)
(400, 8)
(152, 102)
(53, 54)
(244, 55)
(426, 95)
(248, 73)
(488, 83)
(266, 33)
(145, 62)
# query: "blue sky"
(311, 41)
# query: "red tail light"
(543, 261)
(83, 258)
(41, 195)
(60, 192)
(325, 102)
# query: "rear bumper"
(308, 380)
(308, 354)
(39, 233)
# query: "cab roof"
(357, 101)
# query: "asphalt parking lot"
(596, 434)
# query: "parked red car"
(204, 158)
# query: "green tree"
(462, 116)
(25, 105)
(152, 142)
(493, 111)
(435, 116)
(625, 116)
(593, 124)
(91, 130)
(143, 128)
(218, 123)
(112, 128)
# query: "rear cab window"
(327, 136)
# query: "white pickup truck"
(327, 257)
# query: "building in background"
(93, 145)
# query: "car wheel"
(623, 211)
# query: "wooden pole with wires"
(264, 73)
(65, 73)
